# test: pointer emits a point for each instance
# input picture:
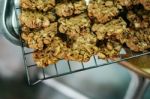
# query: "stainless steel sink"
(108, 82)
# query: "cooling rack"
(63, 67)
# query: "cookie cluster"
(76, 29)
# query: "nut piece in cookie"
(126, 3)
(109, 48)
(36, 39)
(79, 6)
(75, 26)
(102, 11)
(34, 19)
(64, 9)
(146, 4)
(41, 5)
(116, 28)
(138, 40)
(139, 20)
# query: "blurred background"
(108, 82)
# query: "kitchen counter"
(142, 62)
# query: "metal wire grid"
(69, 67)
(65, 67)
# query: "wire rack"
(63, 67)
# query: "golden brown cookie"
(75, 26)
(116, 27)
(51, 54)
(36, 39)
(83, 48)
(102, 11)
(138, 40)
(41, 5)
(36, 20)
